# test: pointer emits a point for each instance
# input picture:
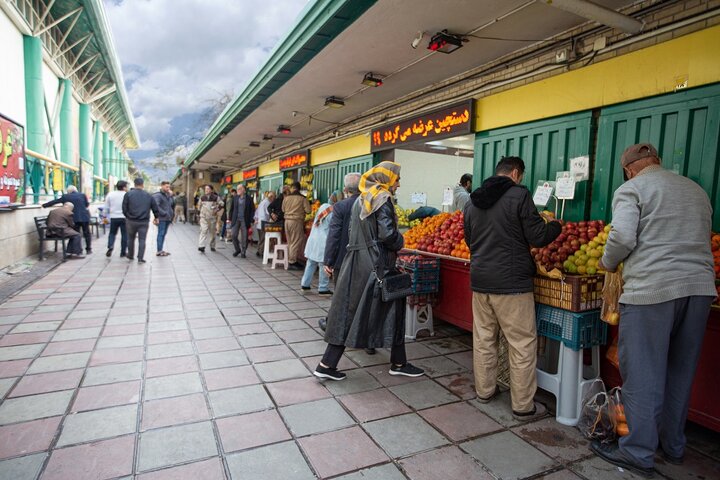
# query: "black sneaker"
(325, 292)
(304, 288)
(123, 255)
(408, 370)
(140, 260)
(370, 351)
(329, 373)
(235, 254)
(130, 258)
(322, 323)
(258, 254)
(109, 252)
(242, 255)
(610, 453)
(212, 249)
(88, 251)
(201, 249)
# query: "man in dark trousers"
(337, 240)
(136, 208)
(81, 215)
(60, 223)
(163, 200)
(241, 217)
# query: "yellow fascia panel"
(269, 168)
(349, 148)
(654, 70)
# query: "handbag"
(394, 285)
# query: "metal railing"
(46, 178)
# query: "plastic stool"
(267, 254)
(570, 383)
(417, 318)
(276, 258)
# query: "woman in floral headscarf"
(315, 248)
(358, 317)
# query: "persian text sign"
(295, 160)
(12, 161)
(250, 174)
(447, 122)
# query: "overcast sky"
(178, 55)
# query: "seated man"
(60, 223)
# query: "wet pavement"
(198, 366)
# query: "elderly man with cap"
(661, 226)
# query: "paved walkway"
(199, 367)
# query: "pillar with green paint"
(106, 155)
(85, 137)
(67, 152)
(35, 131)
(97, 160)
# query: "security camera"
(418, 38)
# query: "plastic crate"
(425, 272)
(418, 262)
(575, 330)
(574, 292)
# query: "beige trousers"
(179, 214)
(207, 230)
(294, 231)
(515, 316)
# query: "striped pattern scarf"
(375, 186)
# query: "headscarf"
(336, 195)
(375, 186)
(323, 213)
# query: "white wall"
(12, 85)
(50, 86)
(429, 173)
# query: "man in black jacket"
(501, 224)
(136, 206)
(241, 217)
(81, 215)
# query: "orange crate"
(574, 293)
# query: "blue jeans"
(310, 267)
(115, 225)
(162, 230)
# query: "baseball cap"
(637, 152)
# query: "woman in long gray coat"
(358, 317)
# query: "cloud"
(177, 55)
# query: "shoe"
(88, 251)
(201, 249)
(670, 459)
(329, 373)
(130, 258)
(295, 266)
(140, 260)
(258, 254)
(489, 399)
(235, 254)
(212, 249)
(242, 255)
(407, 370)
(610, 453)
(538, 411)
(75, 256)
(159, 254)
(370, 351)
(325, 292)
(322, 323)
(109, 252)
(122, 255)
(305, 288)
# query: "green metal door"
(356, 164)
(684, 127)
(324, 181)
(546, 146)
(271, 183)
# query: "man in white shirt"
(262, 215)
(113, 207)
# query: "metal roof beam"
(90, 60)
(57, 22)
(107, 91)
(85, 39)
(69, 29)
(46, 12)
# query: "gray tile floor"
(199, 366)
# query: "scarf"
(323, 213)
(375, 186)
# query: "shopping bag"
(612, 354)
(617, 412)
(595, 421)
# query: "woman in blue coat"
(315, 248)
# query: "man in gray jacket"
(661, 227)
(136, 207)
(164, 201)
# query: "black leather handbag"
(394, 285)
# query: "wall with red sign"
(250, 174)
(295, 160)
(12, 162)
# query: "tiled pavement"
(198, 367)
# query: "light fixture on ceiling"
(371, 80)
(418, 38)
(267, 137)
(284, 129)
(254, 144)
(222, 135)
(445, 42)
(334, 102)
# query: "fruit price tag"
(543, 192)
(447, 196)
(565, 186)
(580, 168)
(418, 198)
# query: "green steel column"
(66, 124)
(97, 151)
(85, 141)
(111, 157)
(35, 132)
(106, 155)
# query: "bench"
(95, 224)
(43, 236)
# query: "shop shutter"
(683, 126)
(324, 181)
(357, 164)
(271, 182)
(546, 146)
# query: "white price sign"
(580, 168)
(565, 186)
(447, 196)
(418, 198)
(543, 192)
